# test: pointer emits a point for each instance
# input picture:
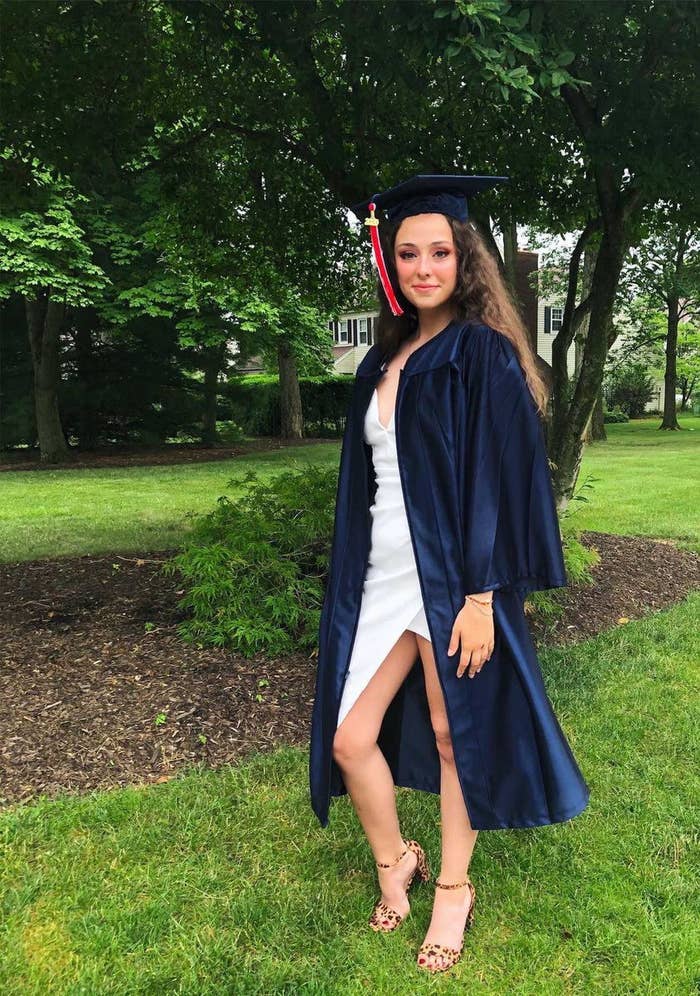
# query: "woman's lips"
(425, 286)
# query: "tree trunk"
(213, 358)
(483, 226)
(574, 315)
(88, 377)
(291, 420)
(44, 318)
(597, 422)
(567, 431)
(670, 419)
(510, 252)
(595, 428)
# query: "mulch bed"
(83, 678)
(145, 456)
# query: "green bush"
(616, 415)
(253, 402)
(630, 388)
(230, 433)
(255, 567)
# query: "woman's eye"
(405, 255)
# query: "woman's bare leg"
(367, 775)
(450, 906)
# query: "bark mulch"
(146, 456)
(97, 690)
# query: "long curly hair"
(480, 295)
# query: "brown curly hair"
(480, 295)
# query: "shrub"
(255, 566)
(631, 388)
(616, 415)
(253, 401)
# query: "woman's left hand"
(474, 631)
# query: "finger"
(463, 661)
(477, 662)
(454, 640)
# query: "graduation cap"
(422, 194)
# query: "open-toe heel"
(449, 956)
(385, 919)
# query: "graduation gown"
(481, 511)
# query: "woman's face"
(426, 260)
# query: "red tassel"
(379, 260)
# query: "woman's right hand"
(473, 632)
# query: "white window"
(557, 318)
(362, 331)
(343, 334)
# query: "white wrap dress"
(391, 596)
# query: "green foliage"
(577, 557)
(578, 560)
(616, 415)
(630, 388)
(497, 36)
(229, 433)
(254, 568)
(42, 242)
(254, 403)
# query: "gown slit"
(392, 600)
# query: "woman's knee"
(350, 746)
(443, 740)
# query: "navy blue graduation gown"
(482, 516)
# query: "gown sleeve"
(511, 530)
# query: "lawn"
(224, 882)
(58, 513)
(646, 481)
(646, 484)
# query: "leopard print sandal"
(449, 955)
(384, 919)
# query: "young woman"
(445, 520)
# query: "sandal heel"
(449, 956)
(384, 919)
(422, 868)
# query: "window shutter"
(354, 331)
(547, 319)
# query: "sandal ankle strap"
(457, 885)
(379, 864)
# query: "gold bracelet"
(477, 602)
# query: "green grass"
(224, 882)
(647, 485)
(647, 481)
(55, 513)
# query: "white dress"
(391, 596)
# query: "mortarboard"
(422, 194)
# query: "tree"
(663, 275)
(46, 260)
